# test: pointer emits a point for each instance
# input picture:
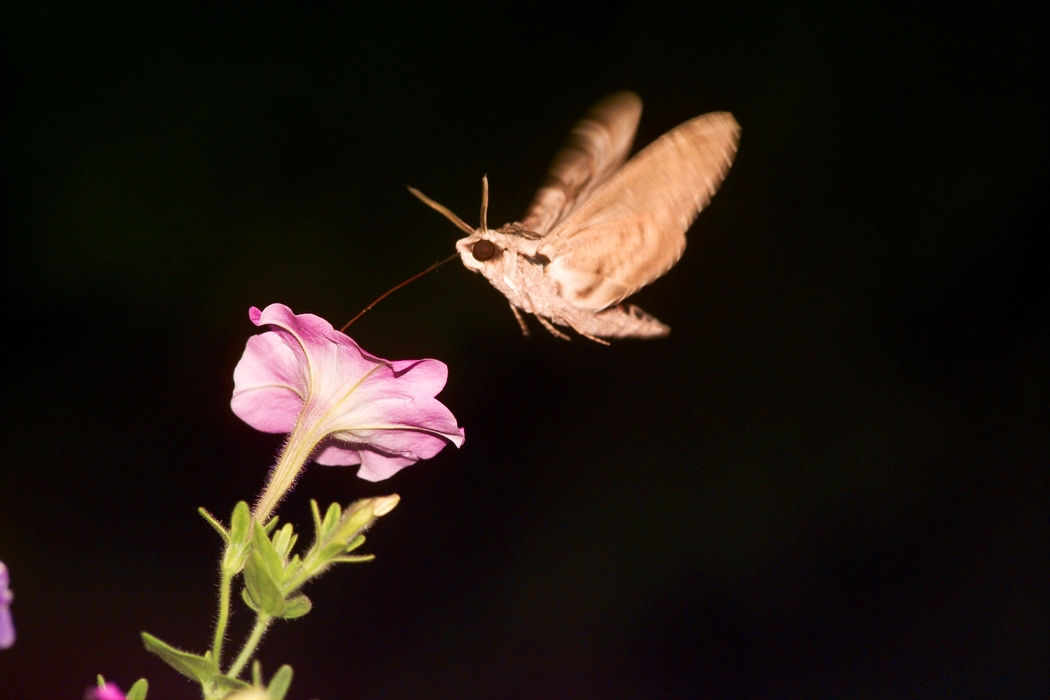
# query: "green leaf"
(214, 522)
(247, 598)
(331, 520)
(270, 557)
(330, 551)
(257, 674)
(354, 559)
(270, 525)
(284, 540)
(221, 684)
(280, 683)
(262, 587)
(296, 606)
(199, 668)
(316, 513)
(138, 690)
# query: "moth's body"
(597, 232)
(519, 270)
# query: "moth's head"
(479, 248)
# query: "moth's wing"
(597, 145)
(632, 230)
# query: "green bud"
(238, 544)
(361, 514)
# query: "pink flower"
(341, 405)
(7, 625)
(107, 691)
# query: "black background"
(829, 481)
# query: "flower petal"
(375, 466)
(381, 453)
(7, 628)
(268, 384)
(7, 624)
(303, 375)
(109, 691)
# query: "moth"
(596, 232)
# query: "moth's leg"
(594, 338)
(587, 335)
(553, 331)
(521, 321)
(591, 337)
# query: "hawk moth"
(599, 230)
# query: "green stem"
(293, 458)
(261, 623)
(224, 616)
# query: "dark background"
(829, 481)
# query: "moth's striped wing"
(597, 145)
(632, 229)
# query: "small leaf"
(193, 666)
(280, 683)
(296, 606)
(330, 551)
(354, 559)
(270, 557)
(224, 683)
(284, 540)
(316, 513)
(247, 598)
(214, 522)
(262, 586)
(331, 519)
(138, 690)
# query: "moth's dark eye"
(483, 250)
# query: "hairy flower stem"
(261, 623)
(293, 458)
(224, 616)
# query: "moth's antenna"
(391, 291)
(444, 210)
(484, 202)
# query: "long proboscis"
(390, 291)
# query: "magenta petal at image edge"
(109, 691)
(304, 375)
(7, 625)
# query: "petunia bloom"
(341, 405)
(7, 625)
